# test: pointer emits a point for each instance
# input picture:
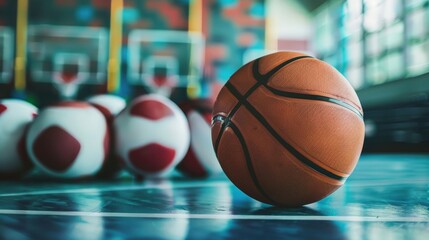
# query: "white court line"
(175, 185)
(214, 216)
(369, 183)
(168, 185)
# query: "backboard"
(6, 54)
(67, 56)
(162, 59)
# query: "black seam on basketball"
(263, 79)
(249, 92)
(249, 164)
(314, 98)
(259, 83)
(269, 74)
(283, 142)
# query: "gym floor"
(387, 197)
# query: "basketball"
(68, 140)
(214, 119)
(151, 136)
(287, 129)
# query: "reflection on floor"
(387, 197)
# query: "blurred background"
(72, 49)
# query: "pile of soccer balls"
(150, 137)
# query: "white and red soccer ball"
(200, 160)
(110, 106)
(152, 135)
(15, 116)
(68, 140)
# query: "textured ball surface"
(110, 106)
(287, 129)
(15, 116)
(200, 160)
(68, 140)
(152, 135)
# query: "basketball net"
(163, 84)
(70, 70)
(67, 83)
(160, 74)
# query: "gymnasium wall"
(230, 28)
(382, 49)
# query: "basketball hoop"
(164, 86)
(67, 88)
(160, 74)
(66, 57)
(163, 60)
(70, 70)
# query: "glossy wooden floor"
(387, 197)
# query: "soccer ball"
(69, 140)
(152, 135)
(15, 116)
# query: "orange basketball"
(287, 129)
